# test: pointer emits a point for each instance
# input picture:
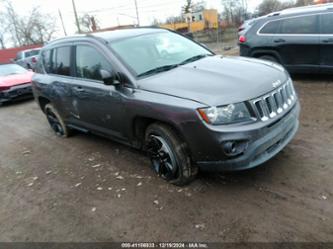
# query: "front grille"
(274, 103)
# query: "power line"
(126, 7)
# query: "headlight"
(233, 113)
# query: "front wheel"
(56, 122)
(168, 154)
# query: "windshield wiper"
(194, 58)
(169, 67)
(158, 70)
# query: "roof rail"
(308, 8)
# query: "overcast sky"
(113, 12)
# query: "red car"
(15, 83)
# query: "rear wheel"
(56, 122)
(268, 58)
(168, 155)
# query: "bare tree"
(303, 2)
(235, 11)
(33, 28)
(88, 23)
(174, 19)
(269, 6)
(2, 32)
(187, 8)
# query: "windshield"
(11, 69)
(148, 52)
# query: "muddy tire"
(56, 122)
(269, 58)
(169, 155)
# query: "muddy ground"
(87, 188)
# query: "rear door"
(298, 42)
(57, 64)
(326, 42)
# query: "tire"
(56, 122)
(169, 155)
(268, 58)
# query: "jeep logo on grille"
(277, 83)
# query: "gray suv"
(159, 91)
(301, 39)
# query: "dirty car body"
(15, 83)
(231, 113)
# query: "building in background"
(196, 21)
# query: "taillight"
(34, 59)
(4, 88)
(242, 39)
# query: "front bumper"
(19, 92)
(262, 144)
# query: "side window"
(327, 24)
(60, 61)
(89, 62)
(270, 28)
(46, 59)
(300, 25)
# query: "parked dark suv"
(159, 91)
(301, 39)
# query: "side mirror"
(108, 78)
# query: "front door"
(100, 106)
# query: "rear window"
(46, 58)
(300, 25)
(31, 53)
(270, 28)
(60, 61)
(327, 23)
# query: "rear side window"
(46, 59)
(89, 62)
(60, 61)
(270, 28)
(300, 25)
(327, 24)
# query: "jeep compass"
(161, 92)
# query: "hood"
(217, 80)
(16, 79)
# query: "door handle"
(279, 40)
(328, 40)
(79, 89)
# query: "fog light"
(229, 148)
(234, 148)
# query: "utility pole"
(76, 18)
(62, 22)
(137, 12)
